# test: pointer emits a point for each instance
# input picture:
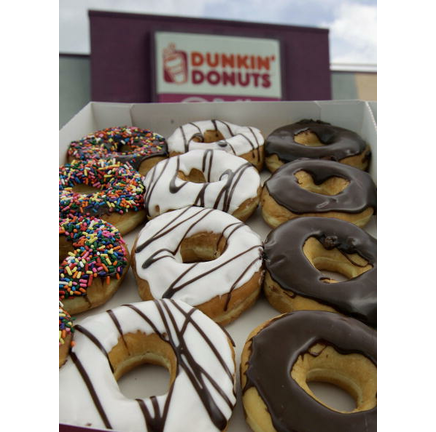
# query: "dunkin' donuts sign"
(198, 67)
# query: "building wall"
(75, 85)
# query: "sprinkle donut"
(197, 352)
(204, 178)
(243, 141)
(66, 331)
(93, 260)
(204, 257)
(282, 355)
(315, 187)
(296, 253)
(315, 139)
(107, 189)
(140, 147)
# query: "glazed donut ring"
(297, 251)
(324, 347)
(140, 147)
(107, 189)
(93, 261)
(315, 139)
(243, 141)
(66, 329)
(205, 178)
(314, 187)
(204, 257)
(197, 352)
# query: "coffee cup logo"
(175, 65)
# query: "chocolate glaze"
(276, 348)
(289, 267)
(359, 194)
(155, 421)
(339, 142)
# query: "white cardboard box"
(358, 116)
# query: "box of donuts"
(217, 267)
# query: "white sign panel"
(209, 67)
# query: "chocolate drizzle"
(358, 195)
(339, 142)
(191, 218)
(288, 266)
(285, 339)
(169, 169)
(205, 385)
(199, 137)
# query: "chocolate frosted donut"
(314, 187)
(315, 139)
(296, 251)
(285, 353)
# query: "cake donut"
(297, 252)
(315, 139)
(93, 260)
(307, 346)
(204, 178)
(107, 189)
(204, 257)
(315, 187)
(243, 141)
(66, 331)
(198, 354)
(140, 147)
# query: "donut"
(93, 261)
(198, 354)
(66, 329)
(243, 141)
(204, 257)
(296, 253)
(315, 139)
(140, 147)
(107, 189)
(282, 355)
(204, 178)
(315, 187)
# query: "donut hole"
(308, 139)
(85, 189)
(332, 186)
(194, 176)
(210, 136)
(353, 373)
(65, 247)
(332, 395)
(144, 358)
(340, 265)
(202, 247)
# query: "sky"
(352, 23)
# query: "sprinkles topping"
(98, 252)
(65, 325)
(118, 188)
(124, 143)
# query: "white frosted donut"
(243, 141)
(201, 396)
(205, 178)
(204, 257)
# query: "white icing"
(241, 258)
(186, 409)
(238, 140)
(230, 180)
